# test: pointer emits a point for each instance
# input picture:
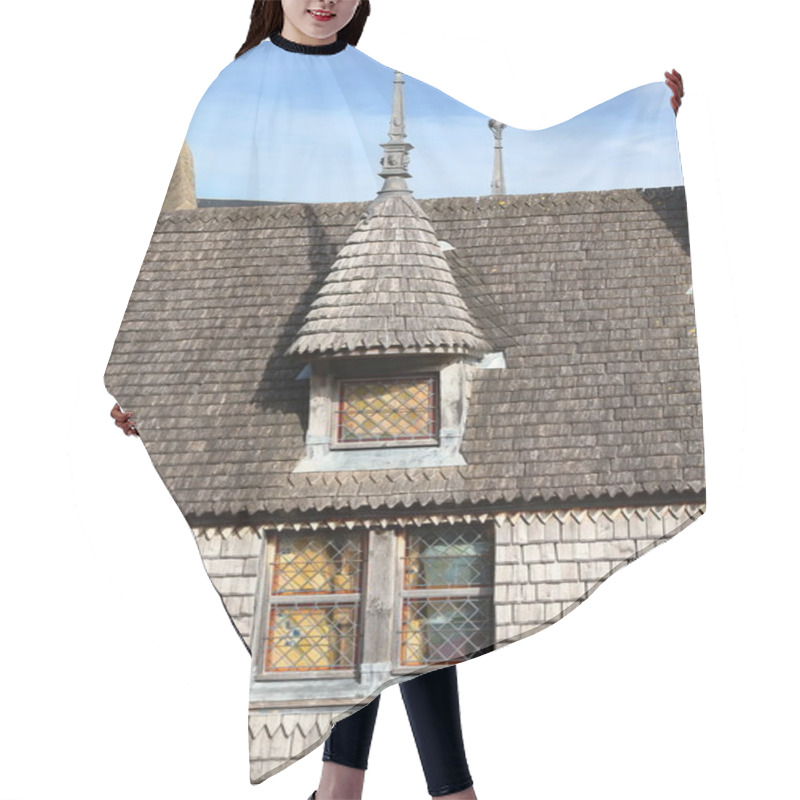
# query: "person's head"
(341, 19)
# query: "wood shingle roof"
(364, 304)
(589, 295)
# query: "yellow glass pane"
(385, 410)
(413, 646)
(316, 564)
(413, 575)
(306, 638)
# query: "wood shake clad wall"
(279, 739)
(232, 557)
(548, 563)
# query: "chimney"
(498, 179)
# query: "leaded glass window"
(444, 631)
(316, 584)
(314, 602)
(399, 411)
(446, 595)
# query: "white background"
(121, 675)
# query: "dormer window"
(388, 339)
(399, 411)
(361, 416)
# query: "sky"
(282, 126)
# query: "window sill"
(381, 458)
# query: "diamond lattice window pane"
(448, 558)
(387, 410)
(303, 637)
(450, 629)
(317, 564)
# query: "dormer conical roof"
(390, 289)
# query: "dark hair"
(266, 18)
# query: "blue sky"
(291, 127)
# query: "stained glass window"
(400, 410)
(437, 558)
(444, 631)
(317, 564)
(317, 583)
(447, 594)
(311, 637)
(314, 602)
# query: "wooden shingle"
(390, 279)
(587, 294)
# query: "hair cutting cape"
(418, 381)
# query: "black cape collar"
(308, 49)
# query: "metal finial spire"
(498, 179)
(394, 164)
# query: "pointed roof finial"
(394, 164)
(390, 289)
